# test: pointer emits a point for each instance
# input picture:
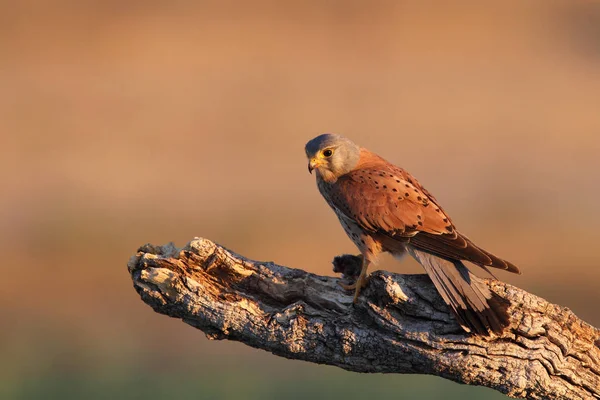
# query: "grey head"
(332, 156)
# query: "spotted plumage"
(383, 208)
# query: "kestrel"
(383, 208)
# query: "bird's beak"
(312, 164)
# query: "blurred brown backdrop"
(129, 122)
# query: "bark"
(399, 325)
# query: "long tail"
(475, 306)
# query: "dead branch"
(400, 324)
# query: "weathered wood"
(400, 324)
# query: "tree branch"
(400, 323)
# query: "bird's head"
(331, 156)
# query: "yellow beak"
(312, 164)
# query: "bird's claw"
(347, 287)
(360, 283)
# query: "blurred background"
(127, 122)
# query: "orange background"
(130, 122)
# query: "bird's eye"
(327, 153)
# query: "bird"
(383, 208)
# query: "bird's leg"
(362, 279)
(350, 267)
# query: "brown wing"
(383, 198)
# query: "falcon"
(383, 208)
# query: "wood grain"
(400, 325)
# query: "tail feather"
(476, 307)
(459, 247)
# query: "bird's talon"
(361, 282)
(347, 287)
